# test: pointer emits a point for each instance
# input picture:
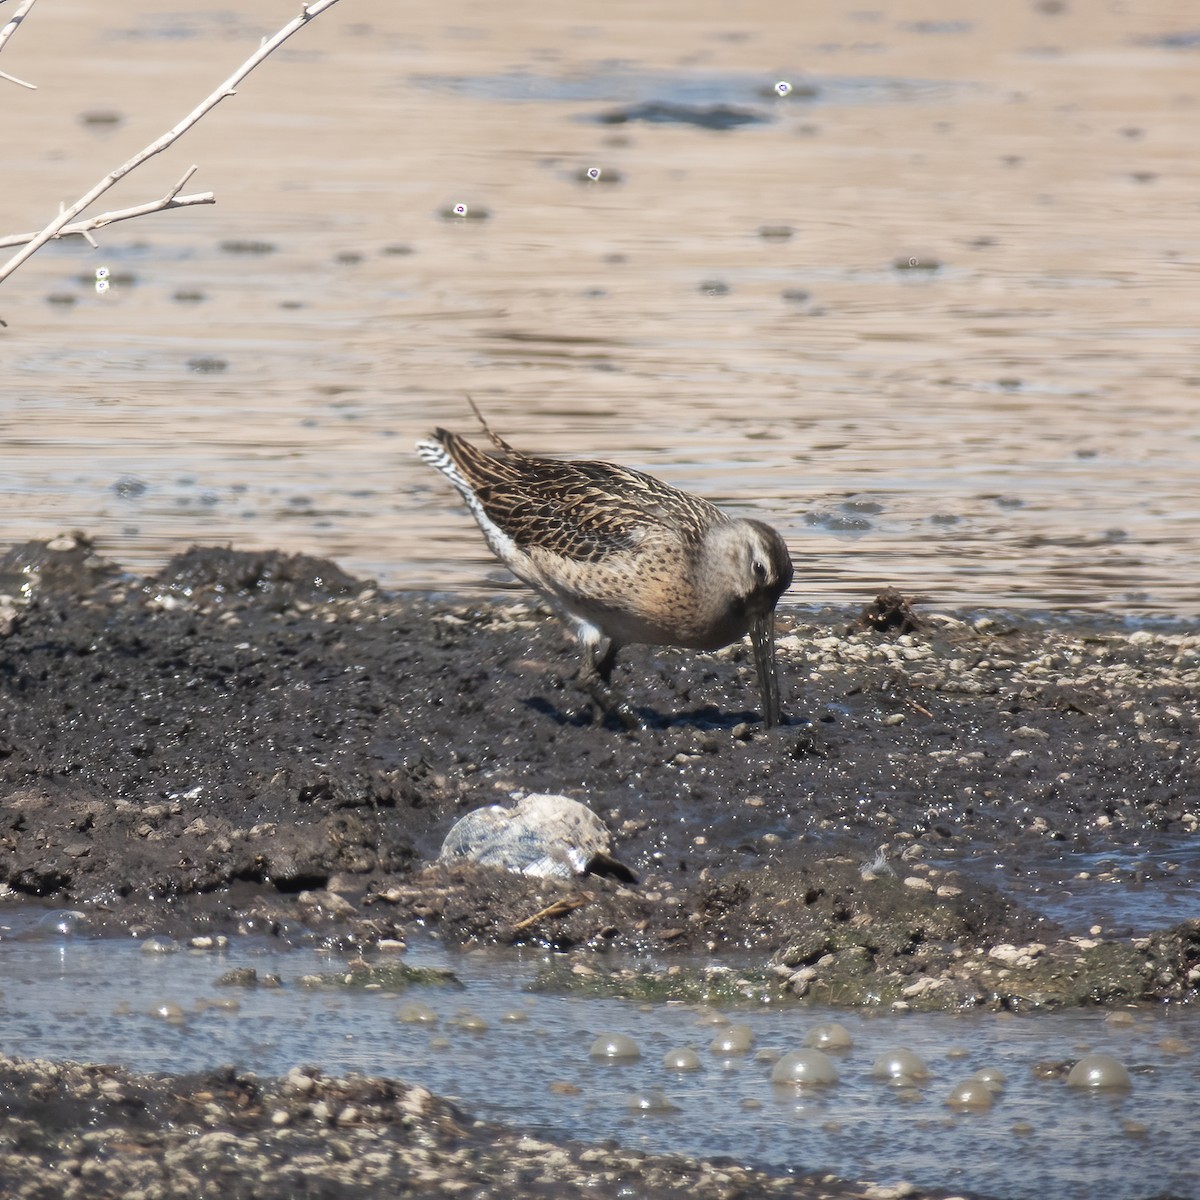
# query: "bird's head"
(749, 568)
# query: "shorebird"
(622, 557)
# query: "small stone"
(329, 902)
(299, 1081)
(239, 977)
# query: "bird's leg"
(605, 663)
(595, 677)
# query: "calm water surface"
(1013, 422)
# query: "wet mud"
(258, 742)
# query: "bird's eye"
(760, 571)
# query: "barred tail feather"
(433, 451)
(436, 453)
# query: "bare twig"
(557, 909)
(228, 88)
(82, 228)
(8, 31)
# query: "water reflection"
(1021, 406)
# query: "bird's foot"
(609, 704)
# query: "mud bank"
(261, 742)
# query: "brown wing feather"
(580, 510)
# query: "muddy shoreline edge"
(256, 742)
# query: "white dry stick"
(8, 31)
(171, 200)
(228, 88)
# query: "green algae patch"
(701, 985)
(852, 968)
(1106, 973)
(392, 977)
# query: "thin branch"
(228, 88)
(15, 20)
(8, 31)
(560, 907)
(111, 218)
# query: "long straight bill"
(762, 635)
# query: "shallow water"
(71, 997)
(1013, 426)
(1129, 892)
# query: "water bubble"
(616, 1046)
(783, 88)
(917, 262)
(1098, 1071)
(593, 173)
(734, 1039)
(972, 1094)
(900, 1066)
(805, 1068)
(830, 1036)
(101, 286)
(101, 272)
(460, 212)
(683, 1059)
(651, 1102)
(993, 1077)
(65, 922)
